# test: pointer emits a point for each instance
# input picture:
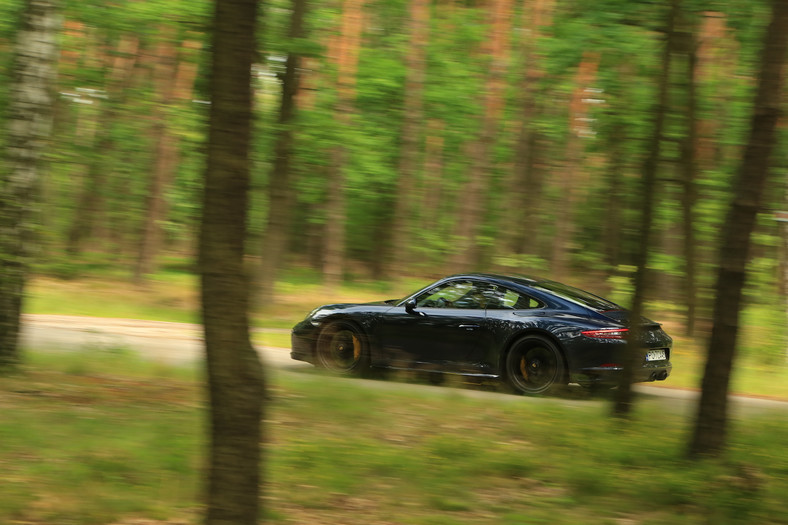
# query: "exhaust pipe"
(661, 376)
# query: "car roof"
(517, 279)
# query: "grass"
(168, 297)
(92, 445)
(84, 448)
(174, 297)
(761, 366)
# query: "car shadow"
(438, 379)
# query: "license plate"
(656, 355)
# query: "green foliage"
(111, 132)
(523, 263)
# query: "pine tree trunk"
(348, 46)
(91, 201)
(689, 194)
(235, 375)
(615, 198)
(432, 188)
(29, 123)
(416, 63)
(709, 436)
(525, 180)
(623, 398)
(571, 179)
(473, 207)
(91, 195)
(279, 186)
(165, 160)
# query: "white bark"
(29, 123)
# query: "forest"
(416, 138)
(633, 148)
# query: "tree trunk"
(348, 46)
(416, 63)
(170, 89)
(279, 185)
(432, 189)
(525, 184)
(29, 123)
(235, 375)
(690, 194)
(615, 198)
(571, 179)
(623, 398)
(709, 434)
(91, 195)
(91, 198)
(472, 208)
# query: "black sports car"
(535, 334)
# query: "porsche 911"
(534, 334)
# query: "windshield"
(577, 296)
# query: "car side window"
(506, 299)
(455, 294)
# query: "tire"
(535, 365)
(341, 348)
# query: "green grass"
(83, 448)
(95, 445)
(172, 296)
(761, 365)
(165, 298)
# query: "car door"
(445, 330)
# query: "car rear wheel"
(535, 365)
(341, 348)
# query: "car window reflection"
(470, 295)
(456, 294)
(501, 298)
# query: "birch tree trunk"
(29, 124)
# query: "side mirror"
(410, 306)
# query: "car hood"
(329, 308)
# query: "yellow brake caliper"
(524, 369)
(356, 348)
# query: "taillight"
(607, 333)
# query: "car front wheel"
(341, 348)
(534, 365)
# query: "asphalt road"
(181, 344)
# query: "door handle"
(469, 326)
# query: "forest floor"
(97, 437)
